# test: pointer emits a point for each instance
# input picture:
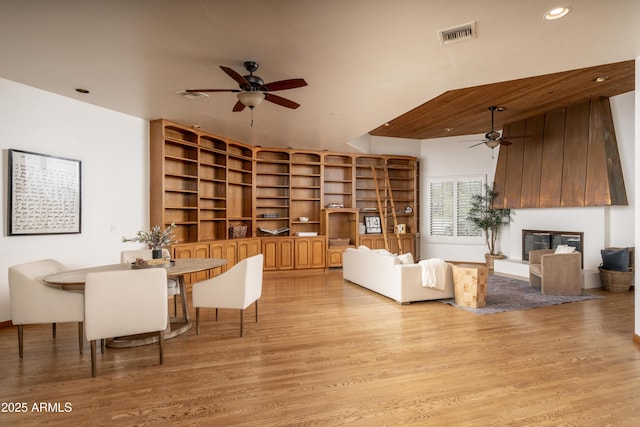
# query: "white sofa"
(384, 275)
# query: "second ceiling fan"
(253, 90)
(493, 138)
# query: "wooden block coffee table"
(470, 285)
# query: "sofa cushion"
(383, 252)
(565, 249)
(615, 259)
(405, 258)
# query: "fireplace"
(546, 239)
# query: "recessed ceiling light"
(557, 13)
(387, 124)
(601, 79)
(80, 90)
(448, 129)
(195, 126)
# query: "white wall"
(397, 146)
(113, 148)
(452, 156)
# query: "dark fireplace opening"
(546, 239)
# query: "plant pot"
(156, 253)
(490, 258)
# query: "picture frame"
(372, 225)
(44, 194)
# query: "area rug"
(507, 294)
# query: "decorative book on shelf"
(274, 232)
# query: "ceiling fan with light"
(493, 138)
(253, 90)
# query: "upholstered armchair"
(128, 257)
(120, 303)
(33, 301)
(556, 273)
(237, 288)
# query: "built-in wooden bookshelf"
(338, 180)
(240, 198)
(207, 183)
(306, 192)
(272, 191)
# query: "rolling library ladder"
(387, 182)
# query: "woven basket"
(237, 231)
(339, 241)
(616, 281)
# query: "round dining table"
(74, 280)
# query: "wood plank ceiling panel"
(534, 131)
(604, 186)
(568, 157)
(465, 111)
(500, 179)
(597, 182)
(515, 153)
(552, 159)
(574, 170)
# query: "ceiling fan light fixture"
(557, 13)
(251, 99)
(492, 143)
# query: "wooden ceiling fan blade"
(475, 145)
(238, 107)
(284, 102)
(212, 90)
(283, 85)
(235, 76)
(505, 142)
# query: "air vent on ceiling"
(192, 95)
(457, 33)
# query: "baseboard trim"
(6, 324)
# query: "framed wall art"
(44, 194)
(372, 225)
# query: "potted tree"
(488, 219)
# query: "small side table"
(470, 285)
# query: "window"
(449, 202)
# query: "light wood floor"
(329, 353)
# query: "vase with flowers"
(156, 239)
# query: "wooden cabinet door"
(334, 257)
(310, 252)
(224, 250)
(303, 253)
(270, 252)
(230, 254)
(373, 241)
(286, 252)
(195, 250)
(248, 248)
(318, 251)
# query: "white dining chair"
(120, 303)
(237, 288)
(128, 257)
(33, 301)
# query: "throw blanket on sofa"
(434, 273)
